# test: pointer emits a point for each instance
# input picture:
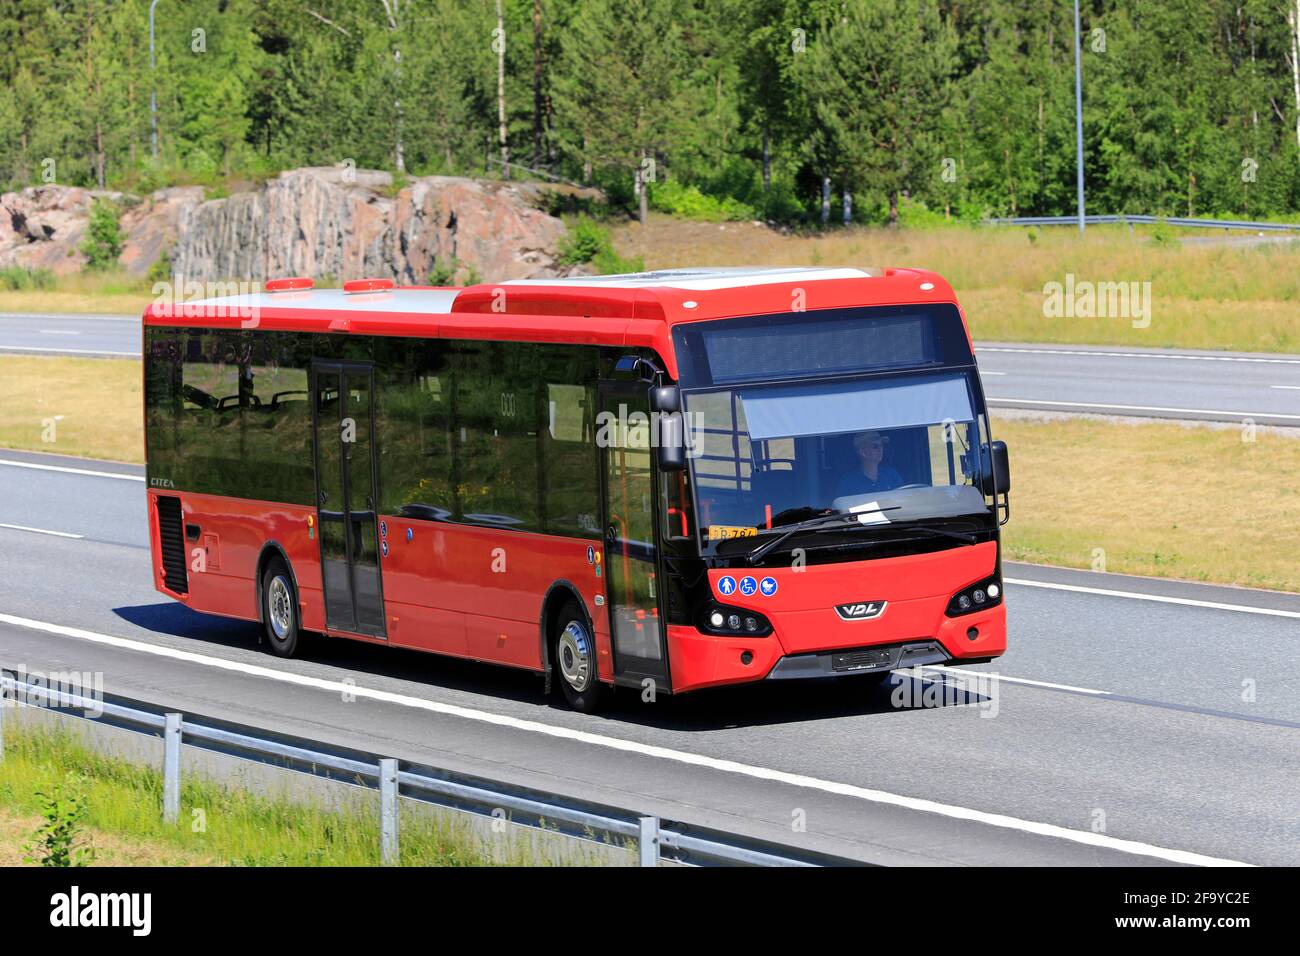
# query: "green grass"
(240, 828)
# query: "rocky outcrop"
(41, 227)
(320, 222)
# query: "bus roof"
(636, 310)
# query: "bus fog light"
(746, 657)
(994, 590)
(716, 619)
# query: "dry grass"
(17, 829)
(1211, 297)
(1162, 500)
(89, 407)
(112, 292)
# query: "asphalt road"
(98, 336)
(1132, 721)
(1144, 383)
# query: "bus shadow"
(357, 657)
(791, 702)
(743, 705)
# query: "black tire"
(573, 647)
(280, 610)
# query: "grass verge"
(218, 825)
(1173, 501)
(1166, 500)
(112, 292)
(86, 407)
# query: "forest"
(783, 110)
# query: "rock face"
(319, 222)
(41, 227)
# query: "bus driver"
(870, 476)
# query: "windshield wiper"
(840, 519)
(955, 535)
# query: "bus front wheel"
(280, 609)
(575, 661)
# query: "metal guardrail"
(657, 839)
(1167, 220)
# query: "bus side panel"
(222, 560)
(496, 579)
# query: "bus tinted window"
(226, 413)
(413, 414)
(567, 375)
(496, 422)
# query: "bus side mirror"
(671, 447)
(665, 398)
(995, 475)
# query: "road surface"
(1132, 722)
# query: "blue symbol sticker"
(410, 533)
(748, 585)
(384, 547)
(726, 585)
(383, 529)
(767, 586)
(591, 554)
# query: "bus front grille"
(171, 543)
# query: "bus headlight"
(976, 597)
(720, 619)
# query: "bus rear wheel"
(575, 661)
(280, 609)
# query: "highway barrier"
(1167, 220)
(657, 839)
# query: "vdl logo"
(860, 610)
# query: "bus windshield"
(897, 448)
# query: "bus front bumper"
(700, 660)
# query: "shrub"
(65, 809)
(673, 197)
(589, 242)
(104, 236)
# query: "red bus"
(669, 481)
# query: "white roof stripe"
(419, 301)
(701, 280)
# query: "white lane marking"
(1141, 408)
(982, 372)
(1084, 837)
(71, 471)
(1159, 598)
(69, 316)
(1144, 355)
(967, 672)
(58, 332)
(1295, 388)
(34, 348)
(57, 534)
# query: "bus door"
(343, 422)
(628, 509)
